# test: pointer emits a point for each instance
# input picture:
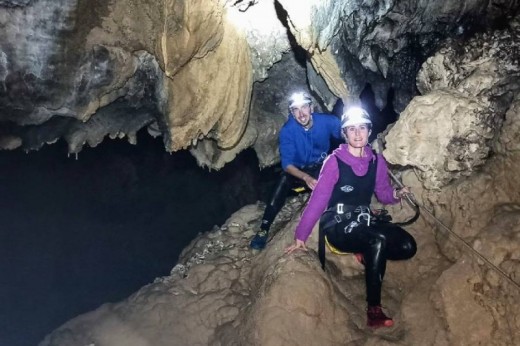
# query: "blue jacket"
(300, 147)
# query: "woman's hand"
(310, 181)
(402, 192)
(299, 244)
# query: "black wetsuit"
(285, 183)
(378, 242)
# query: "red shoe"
(376, 317)
(360, 258)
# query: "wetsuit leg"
(285, 183)
(277, 200)
(377, 244)
(400, 245)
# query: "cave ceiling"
(211, 76)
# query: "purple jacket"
(329, 176)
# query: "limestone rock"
(61, 75)
(265, 34)
(218, 100)
(320, 87)
(76, 73)
(207, 56)
(491, 300)
(209, 154)
(10, 142)
(486, 67)
(443, 134)
(509, 140)
(381, 43)
(454, 287)
(467, 91)
(13, 3)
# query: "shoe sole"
(257, 247)
(386, 324)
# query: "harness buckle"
(365, 217)
(337, 218)
(339, 208)
(350, 227)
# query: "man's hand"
(297, 245)
(295, 172)
(310, 181)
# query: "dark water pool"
(77, 233)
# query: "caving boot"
(376, 317)
(259, 240)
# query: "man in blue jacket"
(305, 141)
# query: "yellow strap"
(333, 249)
(299, 189)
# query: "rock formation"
(212, 77)
(222, 293)
(467, 90)
(82, 70)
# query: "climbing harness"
(342, 212)
(351, 215)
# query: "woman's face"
(357, 135)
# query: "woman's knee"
(409, 247)
(402, 244)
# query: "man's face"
(302, 114)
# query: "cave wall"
(183, 69)
(384, 43)
(228, 294)
(83, 70)
(201, 75)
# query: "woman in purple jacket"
(341, 200)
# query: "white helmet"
(299, 99)
(355, 116)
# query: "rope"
(415, 204)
